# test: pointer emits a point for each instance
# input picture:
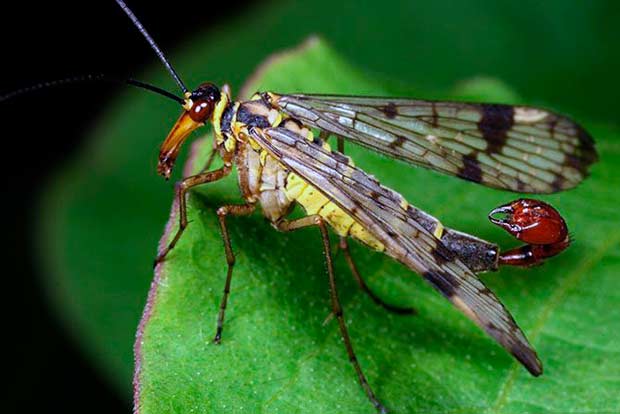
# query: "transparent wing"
(509, 147)
(388, 217)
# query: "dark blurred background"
(41, 131)
(43, 41)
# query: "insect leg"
(222, 212)
(340, 144)
(182, 188)
(344, 246)
(316, 220)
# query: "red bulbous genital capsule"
(532, 221)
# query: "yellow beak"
(172, 144)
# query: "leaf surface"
(277, 355)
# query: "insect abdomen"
(314, 202)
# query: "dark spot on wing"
(400, 140)
(552, 126)
(435, 115)
(471, 169)
(510, 336)
(586, 150)
(574, 161)
(584, 137)
(389, 110)
(496, 121)
(442, 255)
(441, 281)
(492, 328)
(558, 183)
(527, 356)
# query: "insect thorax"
(263, 179)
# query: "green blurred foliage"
(103, 217)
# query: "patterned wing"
(509, 147)
(385, 214)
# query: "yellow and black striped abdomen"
(314, 202)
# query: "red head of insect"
(197, 110)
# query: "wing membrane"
(385, 214)
(509, 147)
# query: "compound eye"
(201, 110)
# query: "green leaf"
(277, 355)
(101, 218)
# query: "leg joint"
(180, 186)
(319, 221)
(222, 211)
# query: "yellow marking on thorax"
(235, 127)
(216, 120)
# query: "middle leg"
(344, 246)
(316, 220)
(222, 213)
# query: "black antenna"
(154, 46)
(92, 78)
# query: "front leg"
(182, 187)
(222, 213)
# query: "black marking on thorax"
(227, 117)
(252, 120)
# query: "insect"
(278, 143)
